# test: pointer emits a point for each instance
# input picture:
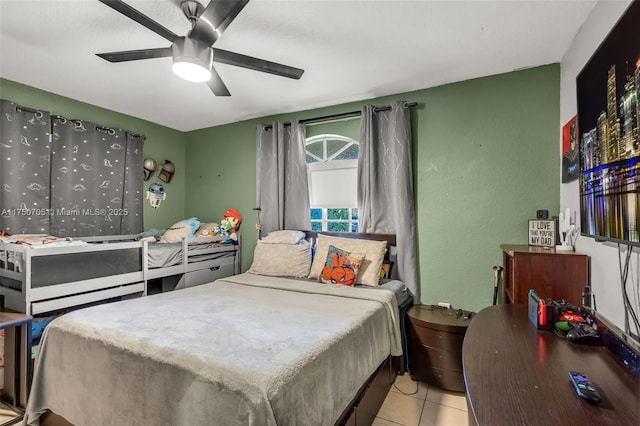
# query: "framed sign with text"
(543, 233)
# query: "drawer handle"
(215, 268)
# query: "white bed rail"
(203, 260)
(202, 257)
(23, 287)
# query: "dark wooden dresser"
(434, 338)
(558, 275)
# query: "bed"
(244, 349)
(44, 274)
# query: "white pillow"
(281, 260)
(283, 237)
(180, 230)
(373, 251)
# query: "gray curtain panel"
(385, 183)
(88, 165)
(281, 187)
(24, 170)
(133, 196)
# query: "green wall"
(162, 143)
(485, 159)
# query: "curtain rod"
(109, 130)
(340, 115)
(39, 114)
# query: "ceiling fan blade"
(216, 84)
(134, 55)
(140, 18)
(215, 19)
(244, 61)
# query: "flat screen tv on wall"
(608, 124)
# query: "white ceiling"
(350, 51)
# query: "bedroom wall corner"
(486, 161)
(162, 143)
(222, 175)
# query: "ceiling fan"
(193, 54)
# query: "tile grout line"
(391, 421)
(422, 411)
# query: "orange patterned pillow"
(341, 267)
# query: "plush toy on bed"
(207, 229)
(229, 225)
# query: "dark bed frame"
(363, 408)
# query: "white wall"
(605, 273)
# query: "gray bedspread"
(246, 349)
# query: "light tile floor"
(428, 406)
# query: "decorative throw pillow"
(341, 267)
(373, 255)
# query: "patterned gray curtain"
(131, 223)
(24, 170)
(281, 169)
(89, 184)
(385, 183)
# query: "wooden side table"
(434, 337)
(17, 362)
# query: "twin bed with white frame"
(246, 349)
(42, 278)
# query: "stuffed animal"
(229, 225)
(207, 229)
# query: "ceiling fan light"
(192, 60)
(190, 71)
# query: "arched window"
(332, 166)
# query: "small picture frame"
(544, 233)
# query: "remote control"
(584, 387)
